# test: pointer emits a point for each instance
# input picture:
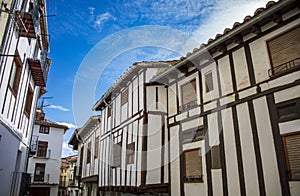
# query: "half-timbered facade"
(87, 140)
(133, 133)
(24, 66)
(233, 109)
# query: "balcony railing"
(20, 183)
(284, 68)
(40, 179)
(189, 105)
(44, 154)
(33, 144)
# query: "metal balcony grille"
(284, 68)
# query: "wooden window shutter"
(292, 145)
(285, 48)
(193, 165)
(215, 157)
(124, 97)
(88, 157)
(188, 92)
(117, 150)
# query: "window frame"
(207, 87)
(44, 129)
(188, 179)
(130, 153)
(124, 97)
(295, 114)
(42, 149)
(185, 105)
(15, 74)
(39, 177)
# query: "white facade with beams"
(24, 68)
(233, 109)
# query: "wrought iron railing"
(285, 67)
(189, 105)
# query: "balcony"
(39, 69)
(33, 145)
(45, 154)
(284, 68)
(24, 22)
(189, 106)
(40, 179)
(20, 183)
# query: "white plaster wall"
(241, 69)
(172, 100)
(175, 164)
(154, 149)
(213, 129)
(294, 188)
(216, 178)
(135, 95)
(230, 153)
(287, 94)
(248, 155)
(141, 90)
(267, 149)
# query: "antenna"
(42, 106)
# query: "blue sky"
(84, 32)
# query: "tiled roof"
(50, 123)
(271, 9)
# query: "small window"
(39, 172)
(193, 165)
(209, 85)
(44, 129)
(189, 95)
(124, 97)
(215, 157)
(42, 149)
(289, 110)
(29, 99)
(117, 153)
(292, 146)
(96, 147)
(15, 75)
(88, 157)
(109, 108)
(130, 153)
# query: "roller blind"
(292, 143)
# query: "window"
(28, 101)
(124, 97)
(189, 95)
(39, 173)
(215, 157)
(15, 75)
(209, 85)
(292, 146)
(192, 135)
(88, 156)
(96, 147)
(42, 149)
(44, 129)
(117, 153)
(109, 108)
(192, 165)
(284, 51)
(288, 110)
(130, 153)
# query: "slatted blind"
(124, 97)
(193, 165)
(285, 47)
(188, 92)
(292, 143)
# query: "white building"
(44, 166)
(24, 66)
(133, 123)
(233, 109)
(86, 141)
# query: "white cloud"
(66, 150)
(61, 108)
(69, 125)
